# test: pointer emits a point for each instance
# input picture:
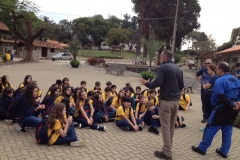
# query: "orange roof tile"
(3, 27)
(64, 45)
(47, 44)
(229, 50)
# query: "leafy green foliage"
(177, 58)
(95, 61)
(74, 46)
(224, 46)
(74, 62)
(148, 74)
(152, 47)
(116, 36)
(237, 121)
(234, 35)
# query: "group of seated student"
(131, 110)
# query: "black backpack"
(185, 99)
(153, 101)
(144, 91)
(13, 108)
(41, 134)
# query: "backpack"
(85, 89)
(41, 134)
(144, 91)
(130, 108)
(153, 101)
(13, 108)
(48, 107)
(186, 101)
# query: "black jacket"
(170, 80)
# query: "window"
(52, 49)
(235, 59)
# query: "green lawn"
(107, 54)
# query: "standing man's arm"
(157, 81)
(198, 79)
(198, 74)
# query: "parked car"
(62, 56)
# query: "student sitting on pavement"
(140, 108)
(153, 98)
(125, 118)
(151, 117)
(179, 122)
(184, 102)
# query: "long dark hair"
(56, 113)
(96, 102)
(28, 94)
(6, 91)
(80, 99)
(25, 82)
(64, 80)
(64, 91)
(4, 78)
(75, 97)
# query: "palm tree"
(153, 46)
(74, 46)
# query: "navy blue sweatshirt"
(170, 80)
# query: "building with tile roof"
(3, 27)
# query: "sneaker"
(75, 124)
(202, 129)
(196, 149)
(102, 128)
(77, 144)
(8, 121)
(111, 119)
(22, 129)
(154, 130)
(79, 125)
(221, 154)
(204, 120)
(125, 128)
(183, 125)
(140, 127)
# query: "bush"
(75, 63)
(177, 58)
(109, 57)
(94, 61)
(4, 58)
(147, 74)
(237, 121)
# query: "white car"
(62, 56)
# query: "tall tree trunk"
(28, 40)
(139, 33)
(145, 32)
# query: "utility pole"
(175, 28)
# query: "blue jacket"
(204, 76)
(226, 91)
(25, 109)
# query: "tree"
(235, 36)
(195, 38)
(66, 31)
(74, 46)
(207, 45)
(99, 30)
(189, 12)
(224, 46)
(114, 22)
(153, 46)
(30, 36)
(116, 36)
(82, 28)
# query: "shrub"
(177, 58)
(109, 57)
(74, 62)
(94, 61)
(148, 74)
(4, 58)
(237, 121)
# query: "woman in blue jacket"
(29, 109)
(5, 101)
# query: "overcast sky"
(218, 17)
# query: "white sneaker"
(77, 144)
(79, 125)
(8, 121)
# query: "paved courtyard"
(109, 145)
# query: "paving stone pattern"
(109, 145)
